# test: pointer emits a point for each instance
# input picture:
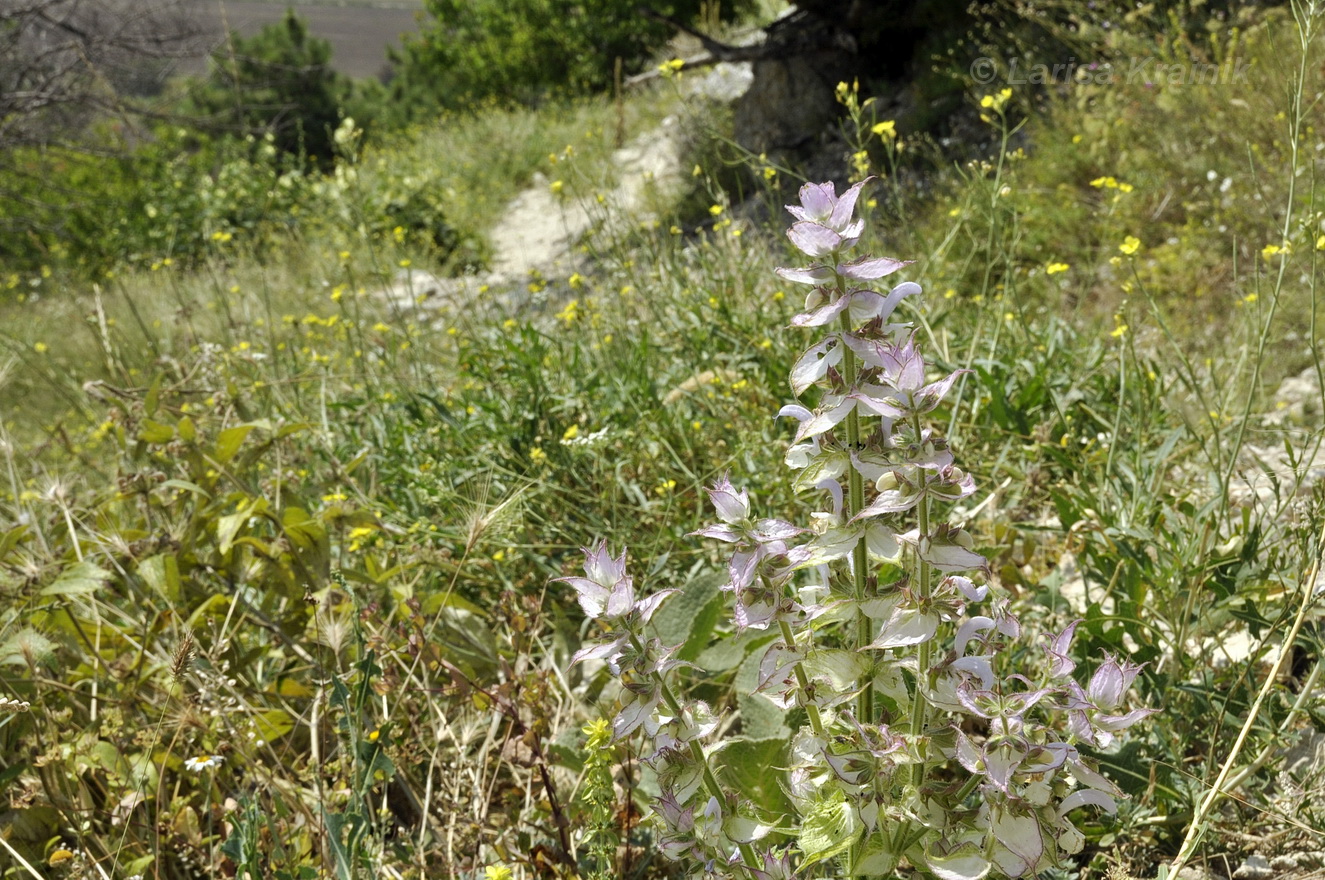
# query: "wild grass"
(255, 512)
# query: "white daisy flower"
(202, 762)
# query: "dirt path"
(538, 231)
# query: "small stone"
(1256, 867)
(1196, 872)
(1284, 863)
(1298, 861)
(1298, 400)
(1305, 755)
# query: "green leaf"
(263, 548)
(727, 653)
(78, 579)
(153, 395)
(760, 719)
(309, 535)
(701, 630)
(353, 464)
(9, 774)
(186, 486)
(139, 865)
(844, 669)
(436, 601)
(966, 862)
(216, 603)
(1131, 768)
(376, 765)
(229, 441)
(689, 617)
(824, 462)
(109, 758)
(155, 432)
(336, 823)
(290, 687)
(228, 526)
(753, 767)
(567, 750)
(11, 539)
(466, 640)
(876, 858)
(161, 573)
(272, 724)
(829, 829)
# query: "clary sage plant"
(920, 749)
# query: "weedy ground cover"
(277, 578)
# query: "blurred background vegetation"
(290, 457)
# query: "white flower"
(202, 762)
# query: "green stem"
(803, 680)
(1307, 35)
(748, 854)
(920, 706)
(908, 834)
(855, 502)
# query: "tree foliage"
(471, 51)
(65, 67)
(63, 62)
(278, 82)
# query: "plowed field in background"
(359, 32)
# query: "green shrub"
(176, 196)
(277, 82)
(524, 51)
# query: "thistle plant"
(932, 738)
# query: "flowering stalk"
(855, 503)
(720, 834)
(918, 705)
(884, 775)
(696, 751)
